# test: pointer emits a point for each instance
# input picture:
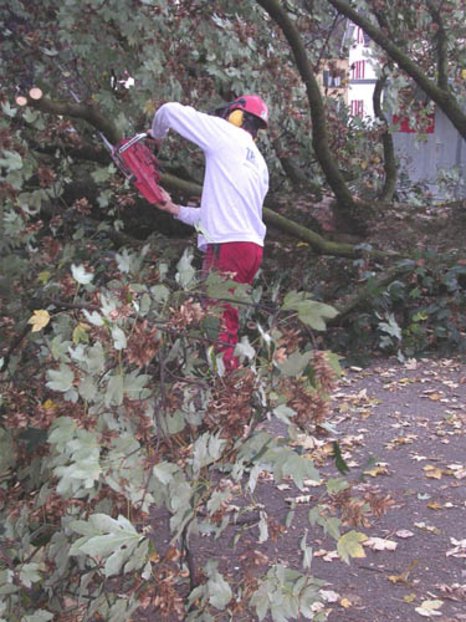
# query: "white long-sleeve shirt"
(236, 177)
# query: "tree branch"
(442, 46)
(316, 241)
(390, 166)
(86, 112)
(319, 123)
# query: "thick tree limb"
(346, 203)
(390, 165)
(442, 44)
(84, 111)
(316, 241)
(84, 152)
(442, 97)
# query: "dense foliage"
(121, 438)
(115, 412)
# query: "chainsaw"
(140, 166)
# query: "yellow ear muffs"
(236, 118)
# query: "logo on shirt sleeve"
(251, 157)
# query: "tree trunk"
(390, 165)
(316, 241)
(347, 208)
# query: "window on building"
(331, 78)
(358, 70)
(357, 107)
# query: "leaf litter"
(430, 399)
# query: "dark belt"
(216, 250)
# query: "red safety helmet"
(252, 104)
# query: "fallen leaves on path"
(387, 420)
(430, 608)
(459, 549)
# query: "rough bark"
(346, 205)
(442, 45)
(441, 96)
(390, 165)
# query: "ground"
(401, 427)
(401, 430)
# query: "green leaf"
(310, 311)
(336, 485)
(391, 327)
(115, 391)
(63, 431)
(219, 591)
(80, 275)
(60, 379)
(300, 468)
(7, 451)
(103, 174)
(29, 574)
(263, 528)
(185, 274)
(83, 469)
(135, 385)
(119, 338)
(160, 293)
(7, 110)
(124, 261)
(116, 541)
(314, 314)
(219, 287)
(165, 471)
(295, 364)
(206, 450)
(307, 551)
(94, 318)
(11, 160)
(330, 524)
(284, 413)
(349, 545)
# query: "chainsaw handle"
(132, 141)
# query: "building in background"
(362, 76)
(430, 151)
(333, 79)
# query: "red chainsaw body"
(140, 166)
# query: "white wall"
(362, 76)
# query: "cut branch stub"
(21, 100)
(36, 93)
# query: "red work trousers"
(241, 260)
